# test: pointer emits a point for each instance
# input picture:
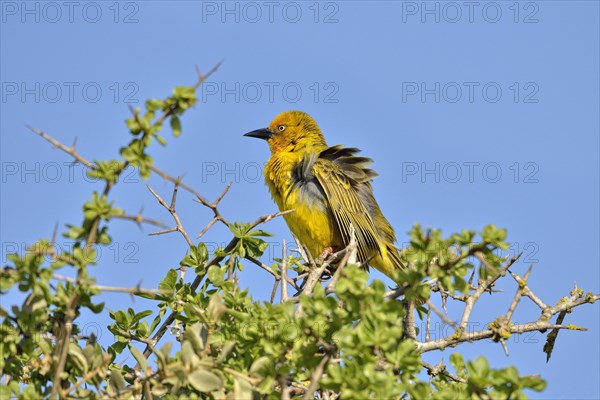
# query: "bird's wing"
(340, 178)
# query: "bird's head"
(291, 131)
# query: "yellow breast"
(311, 222)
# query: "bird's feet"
(327, 251)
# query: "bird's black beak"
(260, 133)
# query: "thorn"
(471, 277)
(54, 233)
(444, 298)
(504, 347)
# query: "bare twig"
(274, 290)
(285, 389)
(315, 377)
(302, 251)
(349, 258)
(440, 314)
(409, 320)
(313, 278)
(214, 207)
(518, 294)
(483, 286)
(527, 291)
(139, 219)
(171, 208)
(270, 271)
(428, 325)
(488, 333)
(203, 77)
(62, 348)
(199, 198)
(503, 325)
(284, 278)
(69, 150)
(445, 293)
(117, 289)
(263, 266)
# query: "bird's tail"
(388, 261)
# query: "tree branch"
(171, 208)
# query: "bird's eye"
(281, 128)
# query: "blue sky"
(474, 114)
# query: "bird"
(329, 189)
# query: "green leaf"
(495, 236)
(120, 317)
(193, 336)
(205, 381)
(77, 357)
(154, 104)
(116, 381)
(188, 355)
(161, 140)
(242, 389)
(137, 317)
(133, 126)
(458, 363)
(139, 357)
(175, 126)
(216, 275)
(169, 281)
(196, 258)
(216, 307)
(259, 232)
(260, 366)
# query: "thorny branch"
(117, 289)
(503, 327)
(498, 330)
(171, 208)
(139, 219)
(69, 150)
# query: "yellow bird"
(329, 188)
